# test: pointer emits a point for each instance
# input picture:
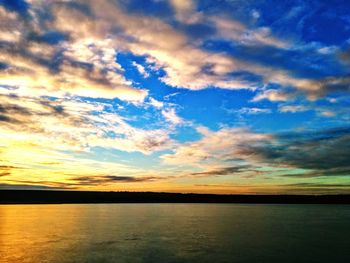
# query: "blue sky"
(226, 96)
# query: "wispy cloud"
(141, 69)
(28, 187)
(108, 179)
(273, 95)
(171, 116)
(76, 125)
(253, 111)
(318, 153)
(225, 171)
(223, 145)
(293, 108)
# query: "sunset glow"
(175, 96)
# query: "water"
(174, 233)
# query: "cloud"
(319, 153)
(62, 66)
(171, 116)
(320, 110)
(9, 167)
(75, 125)
(316, 153)
(51, 62)
(345, 56)
(184, 10)
(293, 108)
(234, 30)
(141, 69)
(111, 179)
(312, 184)
(29, 74)
(327, 113)
(156, 103)
(224, 145)
(186, 65)
(73, 50)
(272, 95)
(253, 111)
(224, 171)
(4, 186)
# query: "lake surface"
(174, 233)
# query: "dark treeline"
(61, 197)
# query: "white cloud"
(76, 126)
(86, 66)
(185, 11)
(95, 39)
(156, 103)
(245, 110)
(272, 95)
(235, 30)
(326, 113)
(216, 147)
(293, 108)
(141, 69)
(171, 116)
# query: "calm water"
(174, 233)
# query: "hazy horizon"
(225, 97)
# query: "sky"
(226, 96)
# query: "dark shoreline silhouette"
(79, 197)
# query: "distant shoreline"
(86, 197)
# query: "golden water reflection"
(174, 233)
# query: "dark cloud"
(323, 153)
(326, 185)
(345, 56)
(6, 170)
(56, 63)
(151, 143)
(20, 50)
(8, 111)
(108, 179)
(7, 108)
(318, 153)
(9, 167)
(4, 118)
(27, 187)
(53, 106)
(316, 188)
(225, 171)
(50, 163)
(45, 184)
(335, 84)
(25, 118)
(316, 173)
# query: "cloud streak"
(111, 179)
(318, 153)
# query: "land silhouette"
(66, 197)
